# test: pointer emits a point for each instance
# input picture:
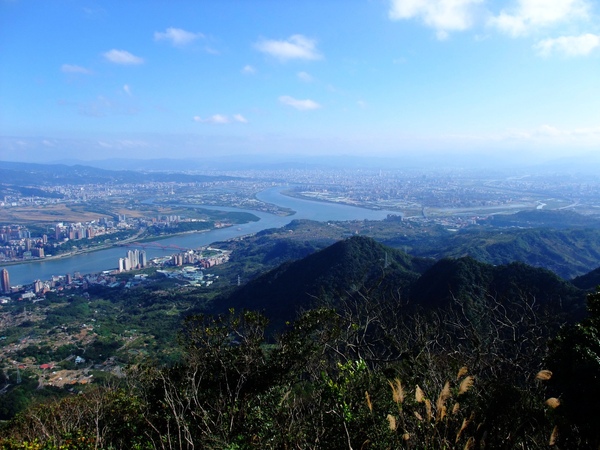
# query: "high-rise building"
(5, 281)
(134, 258)
(38, 286)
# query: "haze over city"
(510, 80)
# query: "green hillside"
(568, 252)
(357, 345)
(354, 264)
(364, 266)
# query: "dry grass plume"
(466, 384)
(397, 391)
(544, 375)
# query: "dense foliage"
(388, 351)
(363, 375)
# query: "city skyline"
(95, 80)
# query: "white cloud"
(301, 105)
(122, 144)
(550, 134)
(295, 47)
(104, 106)
(72, 68)
(306, 77)
(531, 14)
(127, 89)
(122, 57)
(548, 130)
(177, 36)
(248, 70)
(442, 15)
(220, 119)
(212, 51)
(569, 45)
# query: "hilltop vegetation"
(348, 345)
(456, 356)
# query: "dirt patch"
(46, 213)
(62, 378)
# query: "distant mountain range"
(584, 163)
(25, 174)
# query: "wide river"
(107, 259)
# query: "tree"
(574, 361)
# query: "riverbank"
(74, 253)
(101, 259)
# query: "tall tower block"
(4, 281)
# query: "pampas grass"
(392, 422)
(553, 436)
(456, 408)
(419, 395)
(544, 375)
(440, 405)
(397, 391)
(466, 384)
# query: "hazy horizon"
(511, 82)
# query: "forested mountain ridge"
(588, 281)
(569, 250)
(362, 265)
(327, 275)
(465, 279)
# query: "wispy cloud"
(72, 68)
(177, 36)
(569, 45)
(443, 16)
(306, 77)
(248, 70)
(295, 47)
(529, 15)
(103, 106)
(122, 57)
(220, 119)
(301, 105)
(551, 134)
(127, 89)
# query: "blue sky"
(187, 79)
